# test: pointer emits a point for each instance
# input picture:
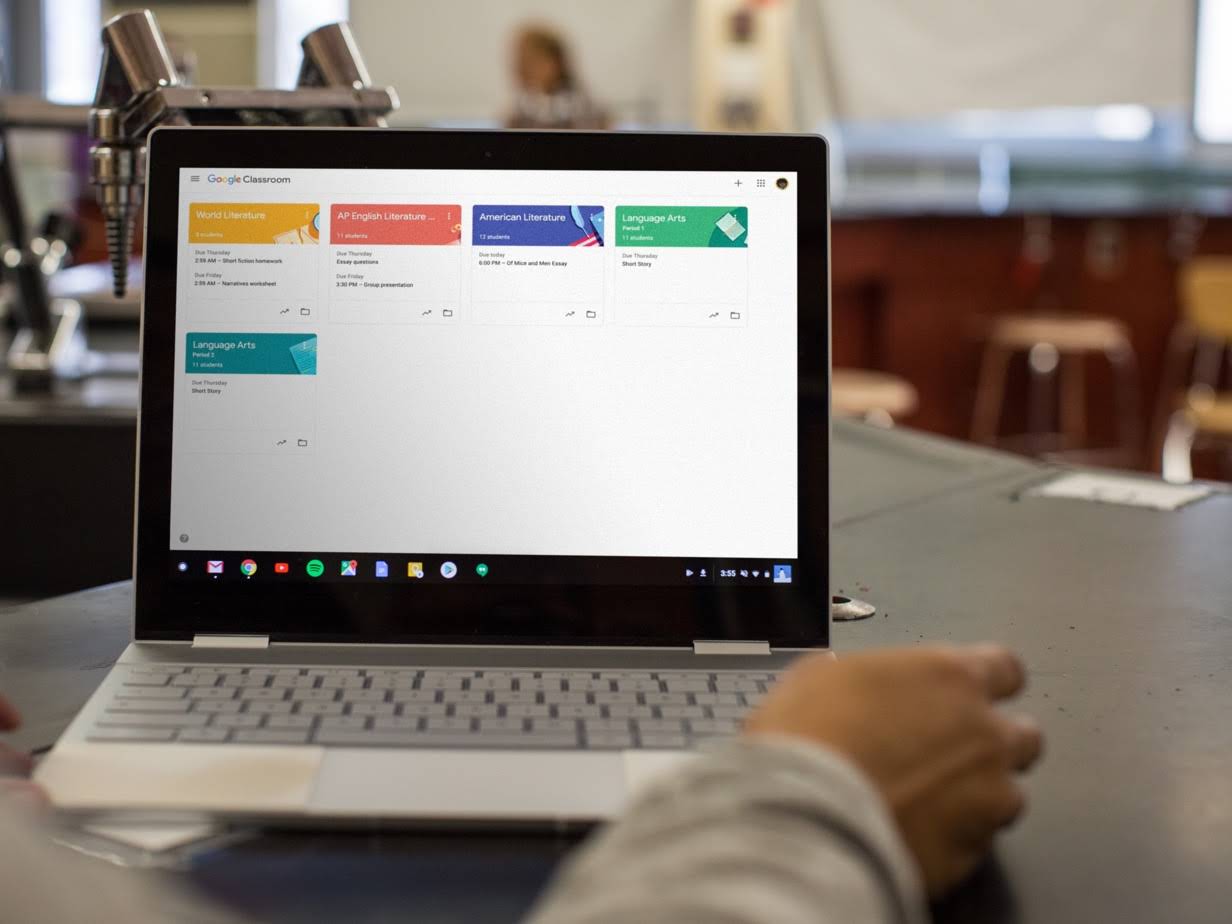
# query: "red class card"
(369, 223)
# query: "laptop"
(482, 475)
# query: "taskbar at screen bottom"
(339, 567)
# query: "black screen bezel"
(792, 616)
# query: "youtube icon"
(281, 567)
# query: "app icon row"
(346, 567)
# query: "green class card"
(682, 226)
(251, 354)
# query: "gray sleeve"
(762, 830)
(44, 883)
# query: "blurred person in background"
(549, 94)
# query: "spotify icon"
(315, 568)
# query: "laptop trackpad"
(465, 785)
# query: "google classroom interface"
(575, 363)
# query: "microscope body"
(139, 89)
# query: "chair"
(1192, 412)
(876, 397)
(1057, 347)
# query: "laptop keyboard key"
(577, 712)
(638, 686)
(423, 709)
(372, 708)
(133, 692)
(149, 705)
(466, 696)
(476, 710)
(553, 726)
(630, 712)
(153, 719)
(663, 740)
(682, 712)
(211, 693)
(502, 726)
(203, 735)
(364, 696)
(716, 699)
(395, 723)
(290, 721)
(243, 720)
(661, 726)
(613, 740)
(131, 734)
(218, 706)
(194, 680)
(262, 693)
(147, 680)
(270, 736)
(527, 711)
(711, 727)
(727, 685)
(348, 722)
(314, 696)
(448, 724)
(415, 696)
(265, 708)
(688, 686)
(616, 699)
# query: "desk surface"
(1124, 616)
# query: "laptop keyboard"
(430, 708)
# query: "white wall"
(907, 58)
(449, 59)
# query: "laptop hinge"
(230, 641)
(731, 648)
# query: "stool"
(1191, 407)
(876, 397)
(1056, 347)
(1207, 420)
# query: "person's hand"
(922, 724)
(14, 766)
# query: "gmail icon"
(213, 567)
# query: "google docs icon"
(782, 574)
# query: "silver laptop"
(482, 475)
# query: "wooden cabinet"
(909, 294)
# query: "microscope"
(139, 89)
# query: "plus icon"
(738, 183)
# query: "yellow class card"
(254, 223)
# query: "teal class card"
(251, 354)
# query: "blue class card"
(537, 226)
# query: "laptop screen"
(492, 377)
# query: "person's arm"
(857, 787)
(43, 882)
(773, 831)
